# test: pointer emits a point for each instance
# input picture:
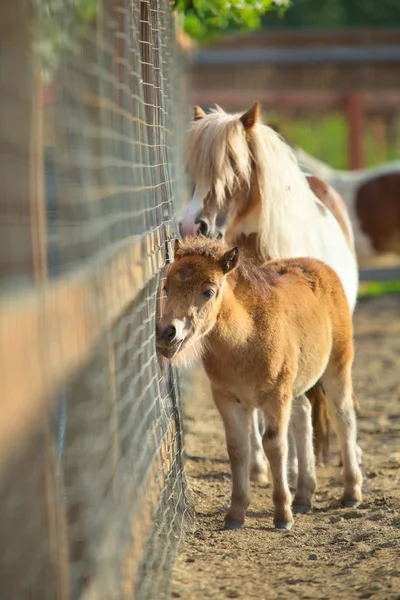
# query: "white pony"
(247, 181)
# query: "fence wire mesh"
(93, 494)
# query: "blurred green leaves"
(58, 25)
(205, 19)
(337, 13)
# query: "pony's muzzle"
(188, 229)
(170, 334)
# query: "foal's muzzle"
(169, 337)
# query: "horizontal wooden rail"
(238, 99)
(49, 332)
(380, 274)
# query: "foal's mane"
(201, 246)
(251, 271)
(221, 154)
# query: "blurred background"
(326, 72)
(95, 99)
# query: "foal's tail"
(320, 422)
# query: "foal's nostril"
(170, 333)
(220, 235)
(203, 227)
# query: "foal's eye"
(208, 294)
(165, 291)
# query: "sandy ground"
(331, 552)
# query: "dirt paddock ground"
(331, 552)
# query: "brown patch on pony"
(333, 201)
(378, 210)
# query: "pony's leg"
(302, 427)
(236, 420)
(338, 387)
(359, 453)
(276, 409)
(258, 463)
(292, 457)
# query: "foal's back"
(305, 287)
(300, 321)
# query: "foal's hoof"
(233, 524)
(300, 509)
(351, 503)
(283, 525)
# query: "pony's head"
(246, 180)
(194, 286)
(220, 163)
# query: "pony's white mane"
(218, 154)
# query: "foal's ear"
(198, 113)
(250, 118)
(177, 246)
(229, 260)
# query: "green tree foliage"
(205, 19)
(336, 13)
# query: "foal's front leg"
(236, 418)
(276, 409)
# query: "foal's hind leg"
(306, 481)
(236, 420)
(259, 463)
(338, 387)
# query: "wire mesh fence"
(93, 493)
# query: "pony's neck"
(286, 221)
(289, 218)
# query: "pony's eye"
(208, 294)
(165, 291)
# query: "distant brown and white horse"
(372, 197)
(246, 180)
(266, 334)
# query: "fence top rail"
(297, 56)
